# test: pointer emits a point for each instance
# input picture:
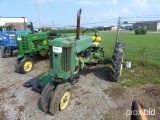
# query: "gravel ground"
(94, 96)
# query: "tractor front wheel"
(117, 62)
(60, 98)
(46, 95)
(26, 65)
(6, 52)
(17, 64)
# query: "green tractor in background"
(30, 45)
(68, 56)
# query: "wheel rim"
(65, 100)
(28, 66)
(43, 52)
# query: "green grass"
(140, 75)
(139, 48)
(142, 50)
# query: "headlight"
(19, 38)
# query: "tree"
(29, 26)
(125, 22)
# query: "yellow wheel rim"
(43, 52)
(65, 100)
(28, 66)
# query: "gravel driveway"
(94, 96)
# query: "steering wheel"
(90, 32)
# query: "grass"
(139, 75)
(142, 50)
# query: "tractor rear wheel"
(26, 65)
(6, 52)
(61, 98)
(46, 95)
(43, 53)
(117, 62)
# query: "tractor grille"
(66, 59)
(25, 44)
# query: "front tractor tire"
(17, 64)
(60, 98)
(43, 53)
(6, 52)
(26, 65)
(46, 95)
(117, 62)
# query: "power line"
(115, 20)
(148, 16)
(56, 8)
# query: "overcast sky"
(94, 12)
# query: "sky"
(63, 13)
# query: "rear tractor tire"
(60, 98)
(117, 62)
(6, 52)
(25, 65)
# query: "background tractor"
(9, 43)
(30, 45)
(68, 56)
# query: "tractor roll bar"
(78, 24)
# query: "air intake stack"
(78, 24)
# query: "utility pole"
(39, 18)
(53, 23)
(24, 23)
(118, 26)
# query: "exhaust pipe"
(78, 24)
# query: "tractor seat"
(95, 44)
(52, 35)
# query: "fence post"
(117, 36)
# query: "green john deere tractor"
(68, 56)
(30, 45)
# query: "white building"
(14, 22)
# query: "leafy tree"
(29, 26)
(125, 22)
